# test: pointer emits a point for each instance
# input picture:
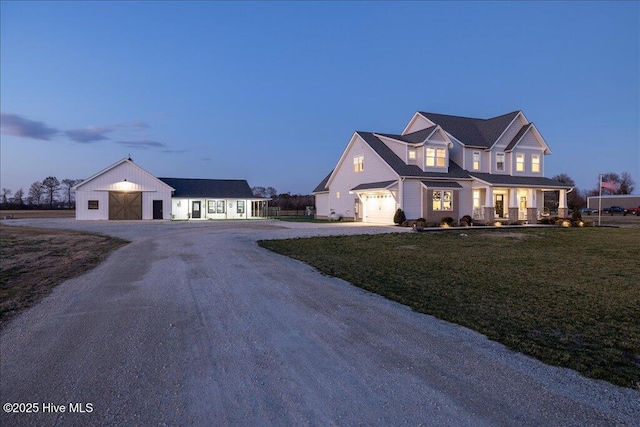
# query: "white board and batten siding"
(123, 176)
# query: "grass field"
(43, 213)
(570, 297)
(33, 261)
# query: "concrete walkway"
(194, 324)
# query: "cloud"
(174, 151)
(15, 125)
(142, 144)
(89, 134)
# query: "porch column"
(513, 204)
(563, 211)
(532, 209)
(489, 209)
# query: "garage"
(125, 206)
(379, 207)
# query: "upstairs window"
(500, 162)
(476, 160)
(412, 154)
(535, 163)
(436, 157)
(358, 163)
(520, 162)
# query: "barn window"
(93, 204)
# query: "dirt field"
(33, 261)
(44, 213)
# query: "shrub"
(576, 216)
(545, 221)
(421, 222)
(466, 221)
(448, 221)
(399, 217)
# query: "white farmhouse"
(442, 166)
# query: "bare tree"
(5, 194)
(575, 199)
(623, 183)
(627, 185)
(51, 186)
(68, 185)
(36, 192)
(17, 199)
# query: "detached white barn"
(125, 191)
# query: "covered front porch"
(515, 198)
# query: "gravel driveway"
(194, 324)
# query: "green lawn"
(570, 297)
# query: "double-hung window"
(358, 163)
(476, 160)
(500, 162)
(520, 162)
(240, 207)
(535, 163)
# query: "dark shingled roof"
(441, 184)
(529, 181)
(411, 138)
(519, 135)
(470, 131)
(372, 185)
(322, 187)
(403, 169)
(212, 188)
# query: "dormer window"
(412, 154)
(436, 157)
(476, 160)
(358, 163)
(500, 161)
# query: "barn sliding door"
(125, 206)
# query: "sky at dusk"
(272, 92)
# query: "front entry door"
(500, 205)
(195, 209)
(157, 209)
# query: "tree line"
(621, 184)
(50, 193)
(284, 201)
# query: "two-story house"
(442, 166)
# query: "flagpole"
(599, 199)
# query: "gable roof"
(405, 170)
(127, 160)
(213, 188)
(322, 187)
(412, 138)
(472, 131)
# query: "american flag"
(609, 185)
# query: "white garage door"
(379, 208)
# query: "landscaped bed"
(33, 261)
(570, 297)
